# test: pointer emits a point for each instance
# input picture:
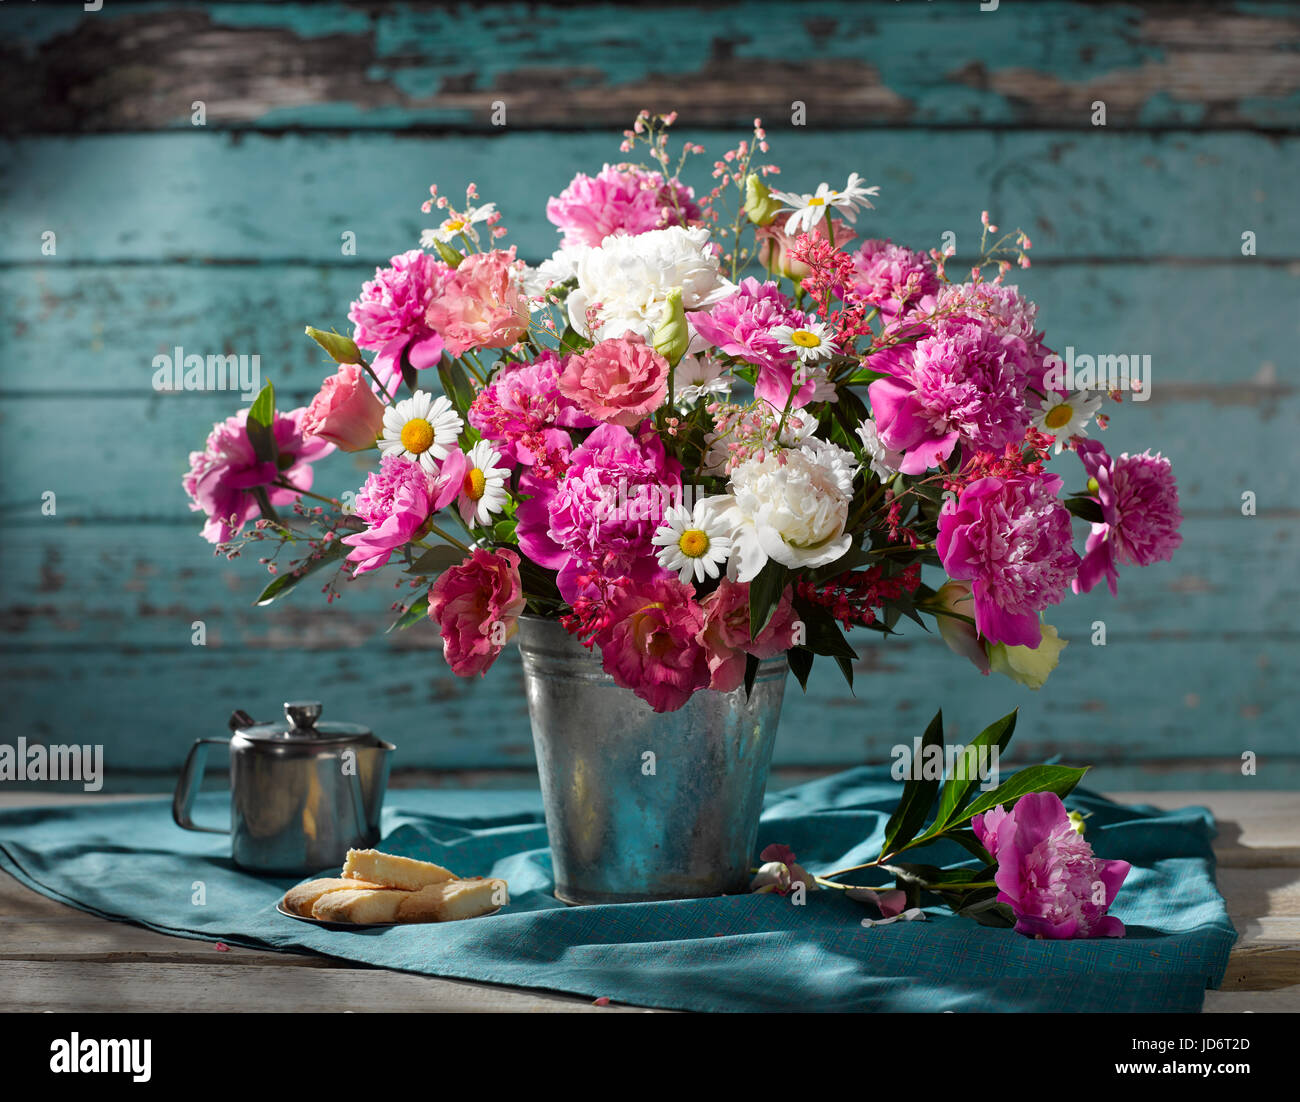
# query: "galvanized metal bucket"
(640, 805)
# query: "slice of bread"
(361, 905)
(393, 872)
(303, 897)
(453, 900)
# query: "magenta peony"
(602, 516)
(476, 606)
(222, 477)
(649, 643)
(523, 412)
(482, 304)
(725, 635)
(619, 381)
(741, 325)
(346, 412)
(1011, 539)
(1047, 873)
(620, 199)
(395, 502)
(891, 277)
(390, 315)
(1139, 501)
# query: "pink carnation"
(619, 381)
(623, 199)
(345, 412)
(892, 277)
(725, 636)
(603, 514)
(1047, 872)
(649, 643)
(222, 476)
(390, 315)
(476, 606)
(1011, 539)
(481, 304)
(1139, 504)
(395, 502)
(962, 381)
(741, 325)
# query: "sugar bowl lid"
(301, 725)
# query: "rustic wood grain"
(563, 65)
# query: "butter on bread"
(303, 897)
(393, 872)
(360, 905)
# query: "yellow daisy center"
(1058, 417)
(805, 338)
(693, 543)
(417, 436)
(816, 201)
(452, 225)
(475, 482)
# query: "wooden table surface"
(53, 957)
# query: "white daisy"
(697, 377)
(422, 428)
(458, 224)
(484, 492)
(809, 210)
(855, 197)
(1063, 417)
(810, 342)
(695, 542)
(878, 456)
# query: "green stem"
(448, 537)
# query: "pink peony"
(619, 381)
(346, 412)
(395, 502)
(1139, 501)
(524, 414)
(891, 277)
(603, 514)
(1011, 539)
(741, 325)
(725, 636)
(476, 606)
(962, 381)
(1047, 873)
(481, 304)
(222, 476)
(390, 315)
(620, 199)
(774, 245)
(649, 643)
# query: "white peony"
(562, 265)
(626, 280)
(882, 461)
(790, 506)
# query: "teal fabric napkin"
(739, 953)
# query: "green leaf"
(410, 376)
(261, 416)
(437, 559)
(417, 611)
(1060, 779)
(801, 661)
(283, 583)
(764, 595)
(449, 255)
(571, 342)
(1085, 508)
(918, 795)
(341, 349)
(822, 631)
(751, 671)
(504, 530)
(456, 384)
(956, 789)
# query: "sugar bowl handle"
(187, 787)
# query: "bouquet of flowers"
(715, 426)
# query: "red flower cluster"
(831, 274)
(853, 598)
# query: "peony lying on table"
(698, 438)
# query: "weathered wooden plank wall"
(332, 117)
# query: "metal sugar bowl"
(302, 793)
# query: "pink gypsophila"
(891, 277)
(962, 381)
(603, 514)
(1139, 504)
(619, 199)
(395, 502)
(222, 477)
(390, 315)
(1010, 538)
(1047, 872)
